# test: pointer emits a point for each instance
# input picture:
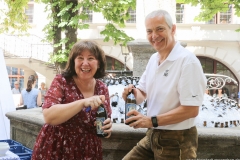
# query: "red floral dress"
(76, 138)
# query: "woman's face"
(219, 90)
(86, 65)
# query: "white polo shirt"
(179, 80)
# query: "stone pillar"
(141, 52)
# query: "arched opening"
(213, 66)
(114, 64)
(116, 67)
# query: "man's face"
(159, 34)
(16, 86)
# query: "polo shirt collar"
(174, 54)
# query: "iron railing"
(217, 81)
(25, 47)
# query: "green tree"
(68, 16)
(13, 19)
(210, 7)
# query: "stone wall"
(214, 143)
(25, 125)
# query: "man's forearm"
(140, 96)
(177, 115)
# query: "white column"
(6, 100)
(140, 20)
(41, 79)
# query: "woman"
(70, 131)
(31, 97)
(43, 90)
(220, 94)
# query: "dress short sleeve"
(55, 93)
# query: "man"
(174, 86)
(16, 89)
(43, 90)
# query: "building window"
(89, 13)
(21, 72)
(14, 71)
(114, 64)
(12, 80)
(132, 14)
(214, 67)
(213, 20)
(16, 74)
(118, 65)
(179, 12)
(29, 12)
(21, 83)
(115, 67)
(226, 17)
(207, 65)
(110, 63)
(222, 17)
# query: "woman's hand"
(94, 102)
(107, 128)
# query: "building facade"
(216, 42)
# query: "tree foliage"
(209, 8)
(67, 16)
(13, 18)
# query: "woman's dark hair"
(216, 91)
(31, 80)
(77, 49)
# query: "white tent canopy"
(6, 100)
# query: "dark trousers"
(166, 145)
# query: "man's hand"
(141, 121)
(107, 128)
(127, 90)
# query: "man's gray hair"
(161, 13)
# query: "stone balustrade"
(214, 143)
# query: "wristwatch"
(154, 121)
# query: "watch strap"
(154, 121)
